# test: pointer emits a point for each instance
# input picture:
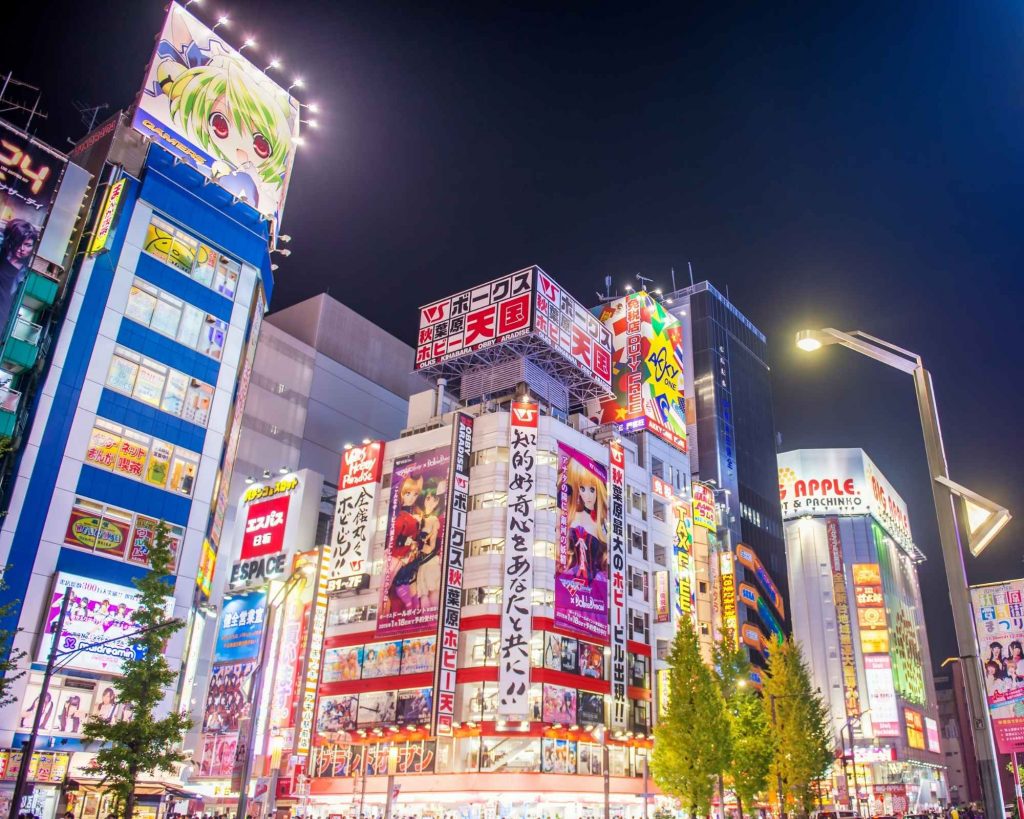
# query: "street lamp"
(984, 520)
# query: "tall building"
(492, 636)
(732, 457)
(857, 613)
(957, 737)
(137, 420)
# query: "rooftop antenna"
(644, 280)
(89, 113)
(673, 280)
(607, 295)
(690, 265)
(11, 105)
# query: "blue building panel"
(124, 410)
(178, 284)
(167, 351)
(98, 484)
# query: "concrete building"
(857, 613)
(957, 738)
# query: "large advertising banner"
(99, 612)
(705, 513)
(581, 568)
(999, 623)
(617, 613)
(847, 655)
(29, 177)
(647, 369)
(727, 588)
(207, 105)
(885, 717)
(360, 472)
(682, 546)
(415, 543)
(517, 583)
(451, 577)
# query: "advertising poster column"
(517, 584)
(874, 646)
(581, 567)
(353, 513)
(617, 599)
(450, 618)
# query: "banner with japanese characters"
(450, 619)
(999, 622)
(517, 581)
(353, 511)
(617, 599)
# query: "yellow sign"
(728, 580)
(106, 220)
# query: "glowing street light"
(274, 63)
(983, 520)
(223, 20)
(249, 43)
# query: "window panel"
(104, 444)
(166, 317)
(159, 464)
(189, 256)
(192, 319)
(174, 393)
(149, 384)
(183, 473)
(122, 373)
(198, 400)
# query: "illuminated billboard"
(527, 303)
(647, 369)
(829, 482)
(29, 177)
(999, 624)
(207, 105)
(704, 510)
(353, 512)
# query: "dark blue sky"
(851, 165)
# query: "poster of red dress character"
(581, 568)
(411, 582)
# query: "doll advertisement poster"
(999, 622)
(581, 566)
(208, 105)
(411, 583)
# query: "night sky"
(847, 165)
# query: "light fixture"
(298, 82)
(574, 727)
(249, 43)
(629, 288)
(312, 123)
(266, 474)
(347, 446)
(298, 140)
(366, 441)
(808, 343)
(284, 237)
(274, 63)
(983, 519)
(557, 725)
(284, 470)
(250, 479)
(223, 20)
(274, 266)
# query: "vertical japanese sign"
(581, 565)
(451, 577)
(874, 646)
(682, 546)
(617, 599)
(415, 543)
(847, 656)
(517, 585)
(704, 511)
(314, 657)
(727, 577)
(999, 622)
(662, 609)
(353, 512)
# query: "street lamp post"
(848, 727)
(943, 493)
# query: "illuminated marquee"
(847, 655)
(705, 513)
(617, 596)
(727, 581)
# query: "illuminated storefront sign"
(999, 624)
(527, 302)
(46, 767)
(727, 579)
(915, 729)
(617, 599)
(747, 556)
(101, 236)
(194, 71)
(450, 619)
(662, 611)
(647, 369)
(682, 546)
(360, 473)
(931, 734)
(517, 585)
(885, 719)
(867, 585)
(705, 514)
(663, 489)
(840, 482)
(870, 754)
(262, 555)
(314, 657)
(847, 655)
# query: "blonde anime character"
(588, 526)
(223, 105)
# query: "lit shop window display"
(141, 457)
(117, 533)
(188, 255)
(172, 317)
(160, 386)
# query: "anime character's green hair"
(252, 106)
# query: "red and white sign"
(617, 594)
(663, 489)
(264, 528)
(358, 479)
(570, 328)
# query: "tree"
(802, 741)
(750, 738)
(137, 743)
(691, 741)
(11, 656)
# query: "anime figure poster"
(999, 623)
(206, 104)
(411, 583)
(581, 567)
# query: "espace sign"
(263, 518)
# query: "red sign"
(264, 528)
(361, 465)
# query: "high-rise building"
(957, 739)
(857, 614)
(732, 458)
(138, 418)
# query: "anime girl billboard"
(581, 568)
(208, 105)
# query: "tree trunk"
(739, 804)
(129, 800)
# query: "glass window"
(544, 548)
(149, 384)
(159, 464)
(174, 393)
(183, 472)
(191, 326)
(122, 373)
(211, 339)
(141, 457)
(104, 444)
(188, 255)
(141, 303)
(159, 236)
(183, 252)
(482, 647)
(511, 754)
(467, 755)
(166, 316)
(131, 457)
(225, 281)
(206, 263)
(545, 502)
(198, 400)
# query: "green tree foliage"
(802, 741)
(12, 657)
(751, 740)
(691, 742)
(140, 744)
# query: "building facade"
(957, 739)
(137, 419)
(857, 613)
